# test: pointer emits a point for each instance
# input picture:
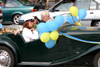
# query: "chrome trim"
(5, 59)
(35, 63)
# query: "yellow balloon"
(74, 11)
(54, 35)
(45, 37)
(78, 23)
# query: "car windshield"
(25, 2)
(63, 6)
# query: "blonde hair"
(44, 13)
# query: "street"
(58, 66)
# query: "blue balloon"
(50, 43)
(1, 26)
(52, 26)
(66, 19)
(82, 14)
(40, 34)
(70, 19)
(75, 19)
(59, 20)
(42, 27)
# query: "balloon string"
(72, 17)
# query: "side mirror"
(98, 1)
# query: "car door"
(98, 12)
(8, 10)
(1, 16)
(38, 52)
(91, 8)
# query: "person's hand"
(16, 32)
(32, 29)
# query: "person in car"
(36, 21)
(2, 5)
(28, 32)
(45, 16)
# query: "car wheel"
(96, 23)
(16, 18)
(97, 60)
(6, 57)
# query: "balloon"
(82, 28)
(75, 19)
(52, 26)
(45, 37)
(42, 27)
(74, 11)
(82, 14)
(54, 35)
(66, 19)
(50, 43)
(40, 34)
(59, 20)
(70, 19)
(1, 26)
(78, 23)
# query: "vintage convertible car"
(74, 42)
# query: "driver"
(45, 16)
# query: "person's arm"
(16, 32)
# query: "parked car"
(74, 42)
(15, 8)
(1, 16)
(63, 6)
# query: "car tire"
(16, 18)
(97, 60)
(6, 57)
(96, 23)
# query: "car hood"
(38, 14)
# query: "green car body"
(17, 9)
(71, 45)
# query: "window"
(83, 4)
(98, 6)
(11, 4)
(26, 2)
(64, 6)
(93, 5)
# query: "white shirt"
(29, 35)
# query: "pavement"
(58, 66)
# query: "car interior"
(73, 27)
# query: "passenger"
(45, 16)
(36, 21)
(29, 33)
(2, 5)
